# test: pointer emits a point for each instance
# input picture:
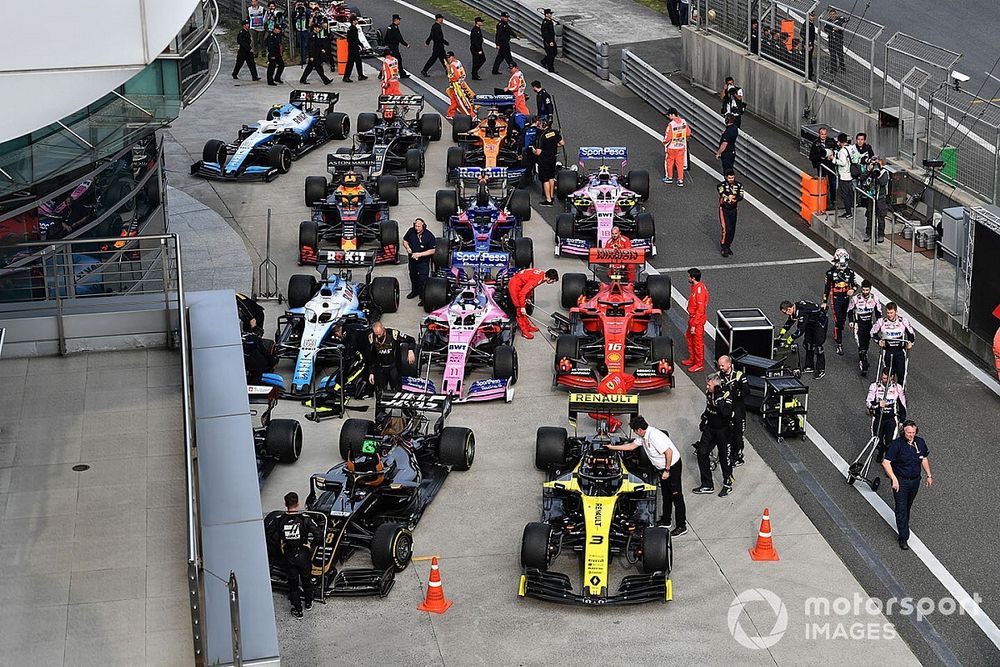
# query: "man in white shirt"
(845, 184)
(666, 458)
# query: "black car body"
(397, 137)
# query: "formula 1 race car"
(268, 147)
(597, 506)
(350, 211)
(339, 15)
(316, 307)
(394, 467)
(471, 332)
(491, 141)
(397, 143)
(598, 200)
(488, 220)
(275, 440)
(613, 325)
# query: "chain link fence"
(781, 33)
(904, 52)
(729, 19)
(846, 51)
(965, 134)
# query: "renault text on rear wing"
(313, 97)
(617, 256)
(616, 404)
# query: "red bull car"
(612, 340)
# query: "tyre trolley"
(785, 406)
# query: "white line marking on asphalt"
(746, 265)
(933, 564)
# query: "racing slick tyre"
(283, 440)
(338, 125)
(388, 234)
(215, 151)
(407, 369)
(565, 225)
(353, 434)
(660, 348)
(658, 289)
(644, 226)
(520, 205)
(573, 287)
(366, 121)
(445, 205)
(457, 447)
(388, 189)
(505, 363)
(567, 347)
(435, 294)
(308, 236)
(279, 156)
(459, 126)
(414, 161)
(392, 546)
(315, 190)
(385, 294)
(657, 551)
(454, 159)
(442, 254)
(550, 447)
(535, 542)
(524, 253)
(638, 182)
(301, 288)
(430, 126)
(567, 182)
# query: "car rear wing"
(312, 97)
(617, 256)
(493, 100)
(347, 259)
(475, 173)
(602, 404)
(480, 260)
(409, 400)
(401, 101)
(337, 164)
(603, 153)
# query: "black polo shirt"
(548, 142)
(906, 458)
(419, 243)
(729, 136)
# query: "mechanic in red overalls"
(515, 86)
(521, 285)
(390, 74)
(697, 316)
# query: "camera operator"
(732, 101)
(877, 184)
(821, 156)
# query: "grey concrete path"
(476, 522)
(92, 562)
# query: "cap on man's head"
(478, 19)
(396, 17)
(547, 12)
(450, 54)
(438, 16)
(244, 22)
(504, 15)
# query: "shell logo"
(614, 357)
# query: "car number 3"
(597, 539)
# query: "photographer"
(835, 38)
(821, 156)
(732, 101)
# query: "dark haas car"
(598, 200)
(393, 469)
(350, 211)
(612, 326)
(275, 440)
(492, 140)
(483, 214)
(598, 506)
(395, 141)
(268, 147)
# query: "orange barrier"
(765, 546)
(435, 601)
(341, 56)
(788, 28)
(813, 198)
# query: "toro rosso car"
(469, 333)
(491, 141)
(268, 147)
(315, 308)
(485, 216)
(613, 326)
(393, 469)
(598, 509)
(397, 143)
(350, 211)
(598, 200)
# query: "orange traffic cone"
(435, 600)
(765, 547)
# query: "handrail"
(218, 68)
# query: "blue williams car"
(267, 148)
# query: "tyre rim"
(403, 550)
(470, 451)
(286, 159)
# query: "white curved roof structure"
(61, 56)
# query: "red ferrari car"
(612, 340)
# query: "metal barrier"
(847, 65)
(729, 19)
(755, 160)
(964, 131)
(904, 52)
(778, 23)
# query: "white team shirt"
(657, 443)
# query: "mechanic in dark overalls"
(715, 429)
(840, 284)
(385, 357)
(298, 534)
(862, 312)
(735, 383)
(812, 325)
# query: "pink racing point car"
(468, 334)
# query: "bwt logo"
(755, 640)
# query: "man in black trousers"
(437, 42)
(353, 51)
(245, 53)
(275, 58)
(504, 34)
(317, 53)
(549, 42)
(476, 46)
(393, 38)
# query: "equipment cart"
(785, 406)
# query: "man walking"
(393, 38)
(459, 94)
(694, 334)
(666, 458)
(476, 47)
(245, 54)
(419, 244)
(549, 42)
(863, 310)
(837, 292)
(297, 535)
(522, 287)
(543, 101)
(503, 36)
(275, 56)
(515, 86)
(715, 422)
(812, 322)
(317, 53)
(727, 144)
(675, 141)
(903, 461)
(437, 42)
(730, 196)
(735, 383)
(895, 336)
(390, 74)
(354, 51)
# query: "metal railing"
(847, 64)
(964, 131)
(784, 23)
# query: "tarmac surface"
(954, 519)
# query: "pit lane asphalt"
(956, 518)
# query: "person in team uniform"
(862, 312)
(837, 293)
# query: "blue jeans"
(903, 500)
